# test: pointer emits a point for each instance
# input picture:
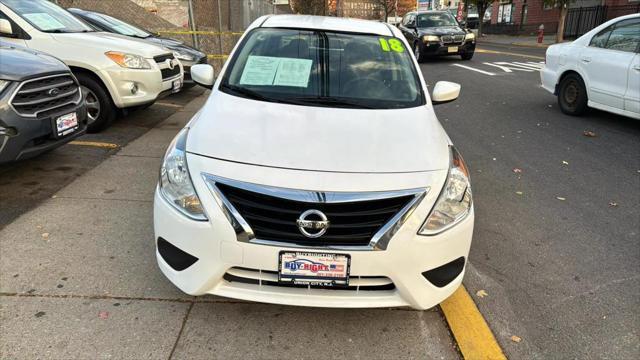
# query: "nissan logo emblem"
(170, 63)
(54, 92)
(313, 228)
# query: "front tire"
(467, 56)
(572, 95)
(100, 110)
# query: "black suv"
(435, 33)
(41, 104)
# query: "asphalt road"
(25, 184)
(556, 244)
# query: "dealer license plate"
(176, 85)
(66, 124)
(311, 268)
(452, 49)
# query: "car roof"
(327, 23)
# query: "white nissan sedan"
(601, 69)
(316, 174)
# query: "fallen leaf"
(588, 133)
(560, 198)
(516, 339)
(54, 196)
(517, 171)
(481, 293)
(104, 315)
(565, 163)
(519, 192)
(45, 236)
(613, 204)
(494, 159)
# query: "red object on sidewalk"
(540, 34)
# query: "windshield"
(117, 25)
(436, 20)
(46, 16)
(319, 68)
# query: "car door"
(632, 97)
(605, 62)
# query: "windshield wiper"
(328, 100)
(250, 94)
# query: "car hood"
(319, 138)
(441, 30)
(19, 63)
(176, 45)
(112, 42)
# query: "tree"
(309, 7)
(387, 6)
(564, 9)
(481, 6)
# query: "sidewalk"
(527, 41)
(78, 279)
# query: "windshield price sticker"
(392, 44)
(44, 21)
(276, 71)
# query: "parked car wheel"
(100, 110)
(572, 95)
(467, 56)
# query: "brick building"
(525, 16)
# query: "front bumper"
(438, 49)
(32, 136)
(149, 83)
(218, 252)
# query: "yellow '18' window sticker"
(392, 44)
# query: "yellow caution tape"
(216, 33)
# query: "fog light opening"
(445, 274)
(134, 88)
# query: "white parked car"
(316, 174)
(114, 71)
(601, 69)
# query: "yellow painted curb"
(485, 51)
(94, 144)
(474, 338)
(216, 56)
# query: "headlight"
(128, 61)
(454, 202)
(4, 84)
(470, 36)
(175, 183)
(431, 38)
(182, 56)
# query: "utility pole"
(192, 25)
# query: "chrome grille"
(46, 94)
(166, 71)
(448, 39)
(268, 215)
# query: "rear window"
(320, 68)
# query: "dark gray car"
(41, 105)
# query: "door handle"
(586, 60)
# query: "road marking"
(168, 104)
(474, 338)
(474, 69)
(95, 144)
(509, 66)
(485, 51)
(503, 68)
(533, 65)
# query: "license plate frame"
(452, 49)
(299, 274)
(65, 125)
(176, 85)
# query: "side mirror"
(5, 27)
(445, 92)
(203, 75)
